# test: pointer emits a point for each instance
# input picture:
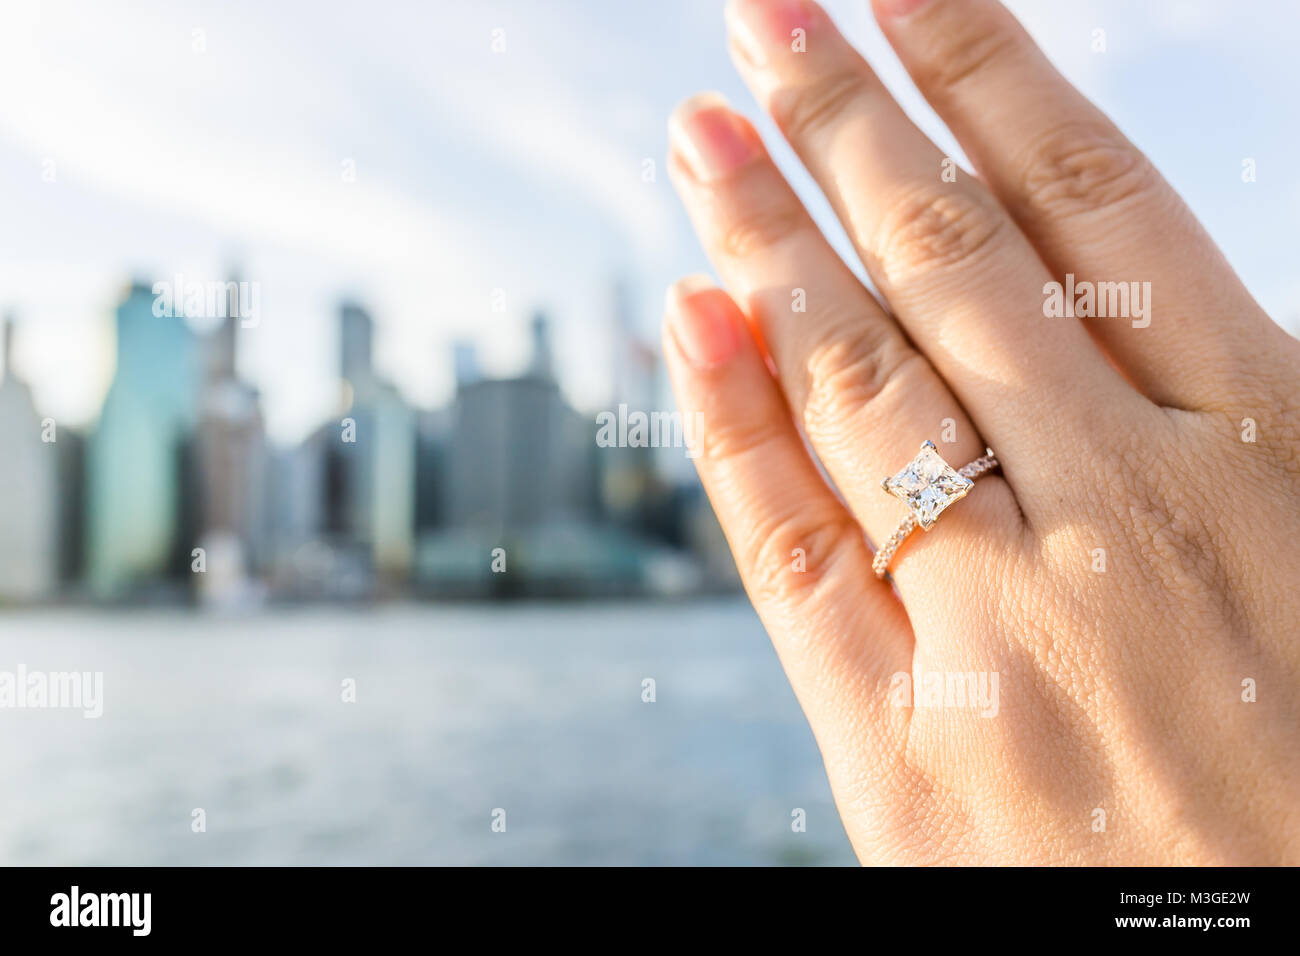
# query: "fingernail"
(702, 319)
(712, 140)
(759, 28)
(898, 8)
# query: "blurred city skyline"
(458, 166)
(176, 493)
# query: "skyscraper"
(29, 523)
(369, 457)
(520, 509)
(230, 460)
(138, 508)
(520, 453)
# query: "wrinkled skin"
(1129, 574)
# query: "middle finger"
(957, 272)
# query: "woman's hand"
(1095, 656)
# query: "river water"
(529, 715)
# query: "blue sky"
(479, 169)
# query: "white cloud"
(217, 142)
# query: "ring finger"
(865, 397)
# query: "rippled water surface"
(533, 709)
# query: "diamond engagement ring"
(927, 485)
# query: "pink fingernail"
(703, 320)
(760, 26)
(712, 140)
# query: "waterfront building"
(367, 457)
(141, 509)
(29, 519)
(231, 466)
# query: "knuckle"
(823, 538)
(1179, 553)
(1083, 167)
(1164, 530)
(734, 440)
(847, 374)
(963, 55)
(1173, 545)
(757, 227)
(926, 231)
(802, 111)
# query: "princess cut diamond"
(927, 485)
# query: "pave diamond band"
(927, 485)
